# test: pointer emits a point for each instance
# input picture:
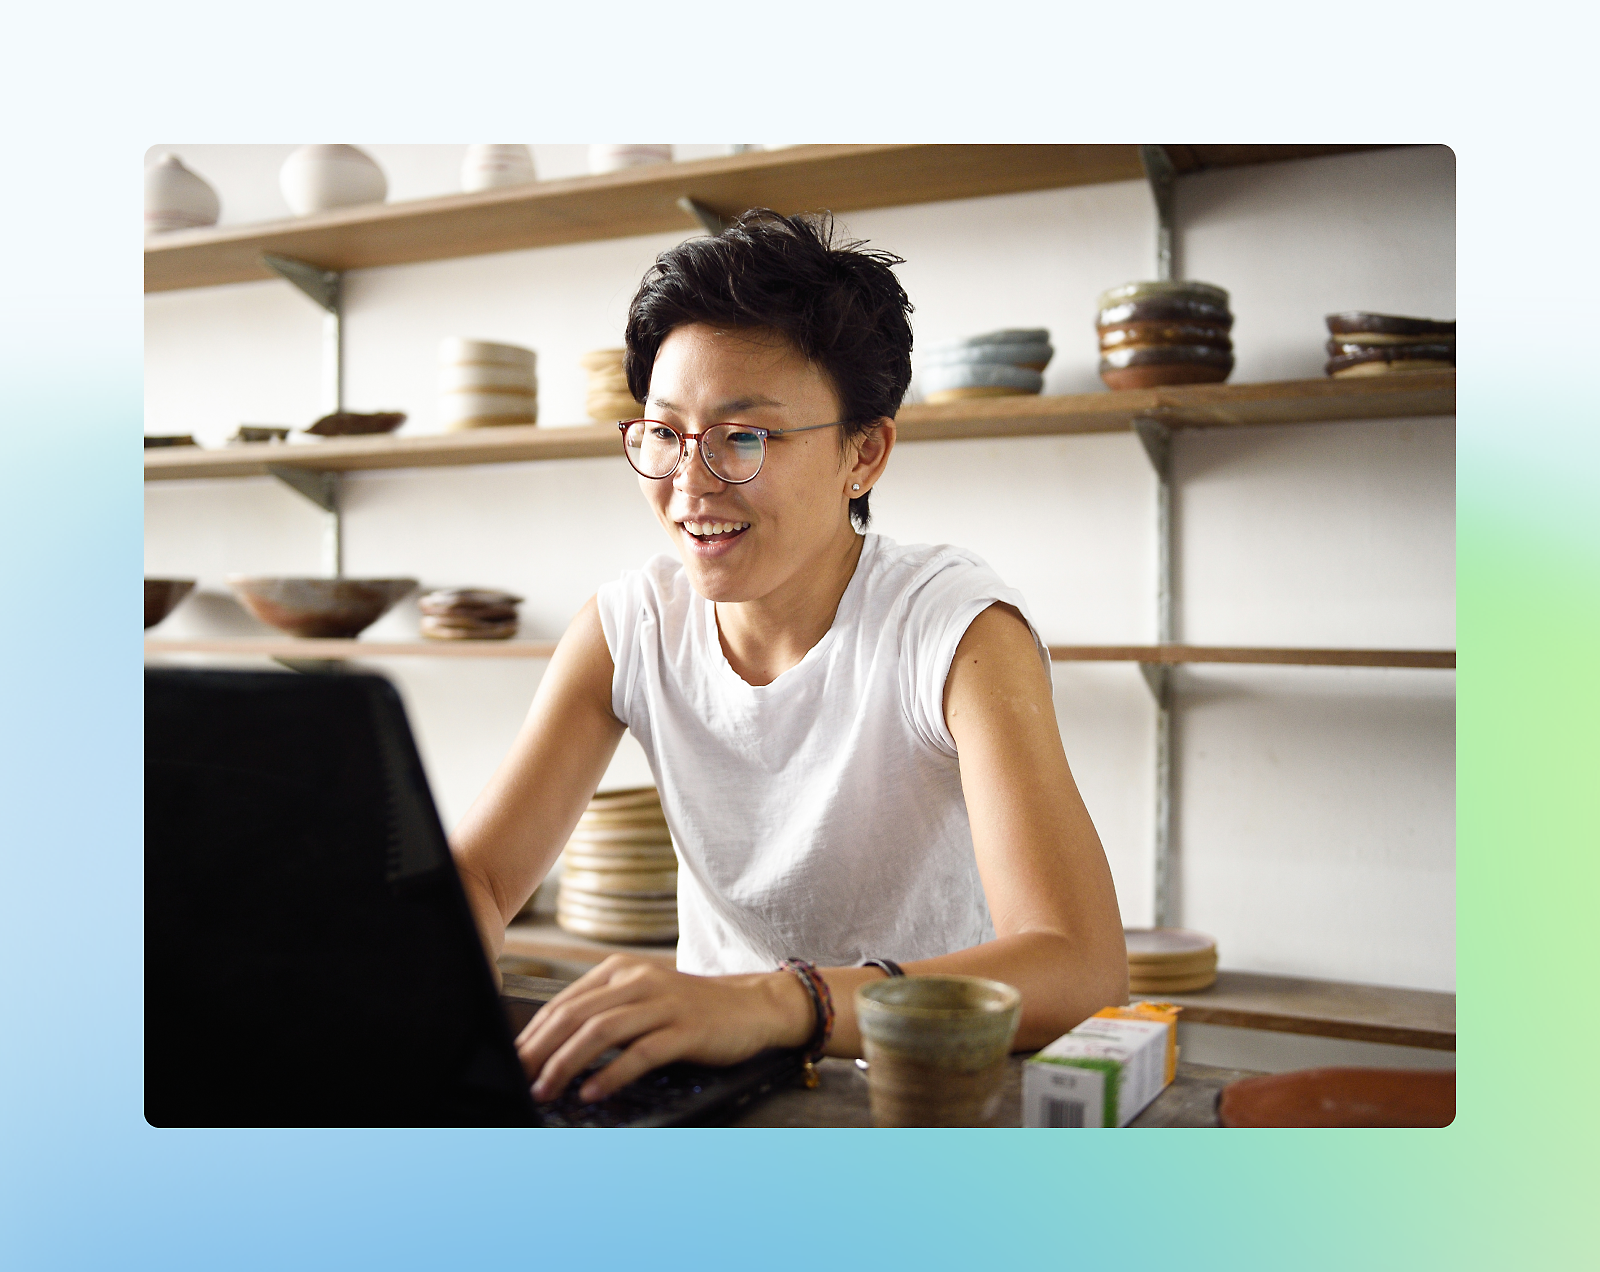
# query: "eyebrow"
(737, 404)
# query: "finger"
(564, 1014)
(594, 1036)
(648, 1052)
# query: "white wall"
(1315, 806)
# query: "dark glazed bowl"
(319, 607)
(161, 597)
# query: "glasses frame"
(685, 438)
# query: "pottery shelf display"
(176, 198)
(1154, 334)
(996, 364)
(1363, 344)
(483, 384)
(321, 178)
(619, 874)
(491, 167)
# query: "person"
(854, 741)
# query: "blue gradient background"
(84, 1183)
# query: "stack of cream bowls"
(1165, 961)
(482, 384)
(610, 401)
(619, 878)
(995, 364)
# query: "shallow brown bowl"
(161, 597)
(319, 607)
(356, 424)
(1342, 1097)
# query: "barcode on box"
(1063, 1112)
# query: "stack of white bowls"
(482, 384)
(995, 364)
(615, 158)
(619, 873)
(490, 167)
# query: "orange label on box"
(1163, 1013)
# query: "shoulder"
(931, 576)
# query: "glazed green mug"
(936, 1048)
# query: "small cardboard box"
(1105, 1071)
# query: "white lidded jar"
(615, 158)
(319, 178)
(175, 198)
(488, 167)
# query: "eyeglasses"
(733, 452)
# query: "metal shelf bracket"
(322, 489)
(1159, 172)
(1156, 438)
(325, 288)
(711, 221)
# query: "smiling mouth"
(714, 531)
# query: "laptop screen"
(309, 956)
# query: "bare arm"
(513, 832)
(1058, 932)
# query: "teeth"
(704, 529)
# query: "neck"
(762, 639)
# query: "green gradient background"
(84, 1183)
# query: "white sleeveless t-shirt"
(821, 816)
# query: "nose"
(693, 476)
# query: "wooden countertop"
(1244, 1000)
(841, 1100)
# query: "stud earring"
(857, 486)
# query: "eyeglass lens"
(732, 453)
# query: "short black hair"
(839, 304)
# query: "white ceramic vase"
(615, 158)
(487, 167)
(318, 178)
(175, 198)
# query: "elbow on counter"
(1079, 983)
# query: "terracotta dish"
(1342, 1097)
(319, 607)
(1355, 321)
(350, 423)
(161, 597)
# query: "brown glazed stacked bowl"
(1362, 344)
(1164, 333)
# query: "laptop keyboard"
(650, 1098)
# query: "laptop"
(310, 959)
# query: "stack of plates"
(1377, 344)
(469, 613)
(482, 384)
(995, 364)
(1169, 961)
(610, 400)
(1164, 333)
(619, 879)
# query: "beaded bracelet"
(885, 965)
(821, 1002)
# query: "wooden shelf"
(313, 649)
(1327, 1009)
(310, 649)
(1174, 654)
(645, 201)
(1193, 406)
(1244, 1000)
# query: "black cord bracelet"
(888, 966)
